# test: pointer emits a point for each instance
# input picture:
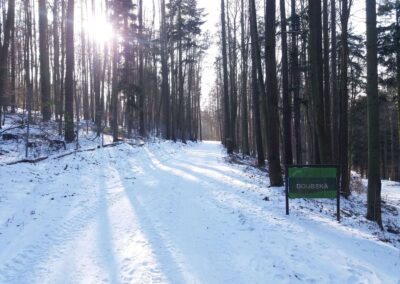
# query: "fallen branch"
(74, 152)
(28, 161)
(11, 128)
(87, 150)
(64, 155)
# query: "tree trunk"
(344, 104)
(256, 84)
(69, 74)
(227, 122)
(287, 110)
(27, 63)
(56, 71)
(84, 81)
(142, 130)
(398, 62)
(181, 81)
(166, 127)
(13, 69)
(334, 86)
(244, 118)
(272, 123)
(295, 83)
(374, 179)
(115, 82)
(327, 87)
(44, 61)
(4, 51)
(315, 47)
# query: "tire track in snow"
(55, 241)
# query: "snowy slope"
(171, 213)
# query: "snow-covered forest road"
(169, 213)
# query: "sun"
(99, 30)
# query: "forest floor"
(174, 213)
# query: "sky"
(212, 9)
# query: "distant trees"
(307, 106)
(120, 70)
(288, 86)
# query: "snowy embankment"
(174, 213)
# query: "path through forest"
(170, 213)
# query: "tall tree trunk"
(334, 87)
(27, 62)
(84, 81)
(227, 122)
(142, 130)
(62, 77)
(295, 82)
(317, 89)
(166, 127)
(272, 123)
(115, 87)
(181, 82)
(374, 179)
(344, 104)
(13, 69)
(4, 51)
(256, 84)
(398, 62)
(56, 71)
(232, 27)
(287, 110)
(44, 61)
(245, 122)
(327, 87)
(69, 74)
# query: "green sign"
(312, 182)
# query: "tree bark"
(56, 71)
(374, 179)
(334, 86)
(272, 123)
(13, 69)
(227, 122)
(287, 109)
(295, 80)
(142, 130)
(4, 51)
(44, 61)
(69, 74)
(344, 104)
(327, 87)
(315, 47)
(244, 53)
(165, 92)
(256, 84)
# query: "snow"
(173, 213)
